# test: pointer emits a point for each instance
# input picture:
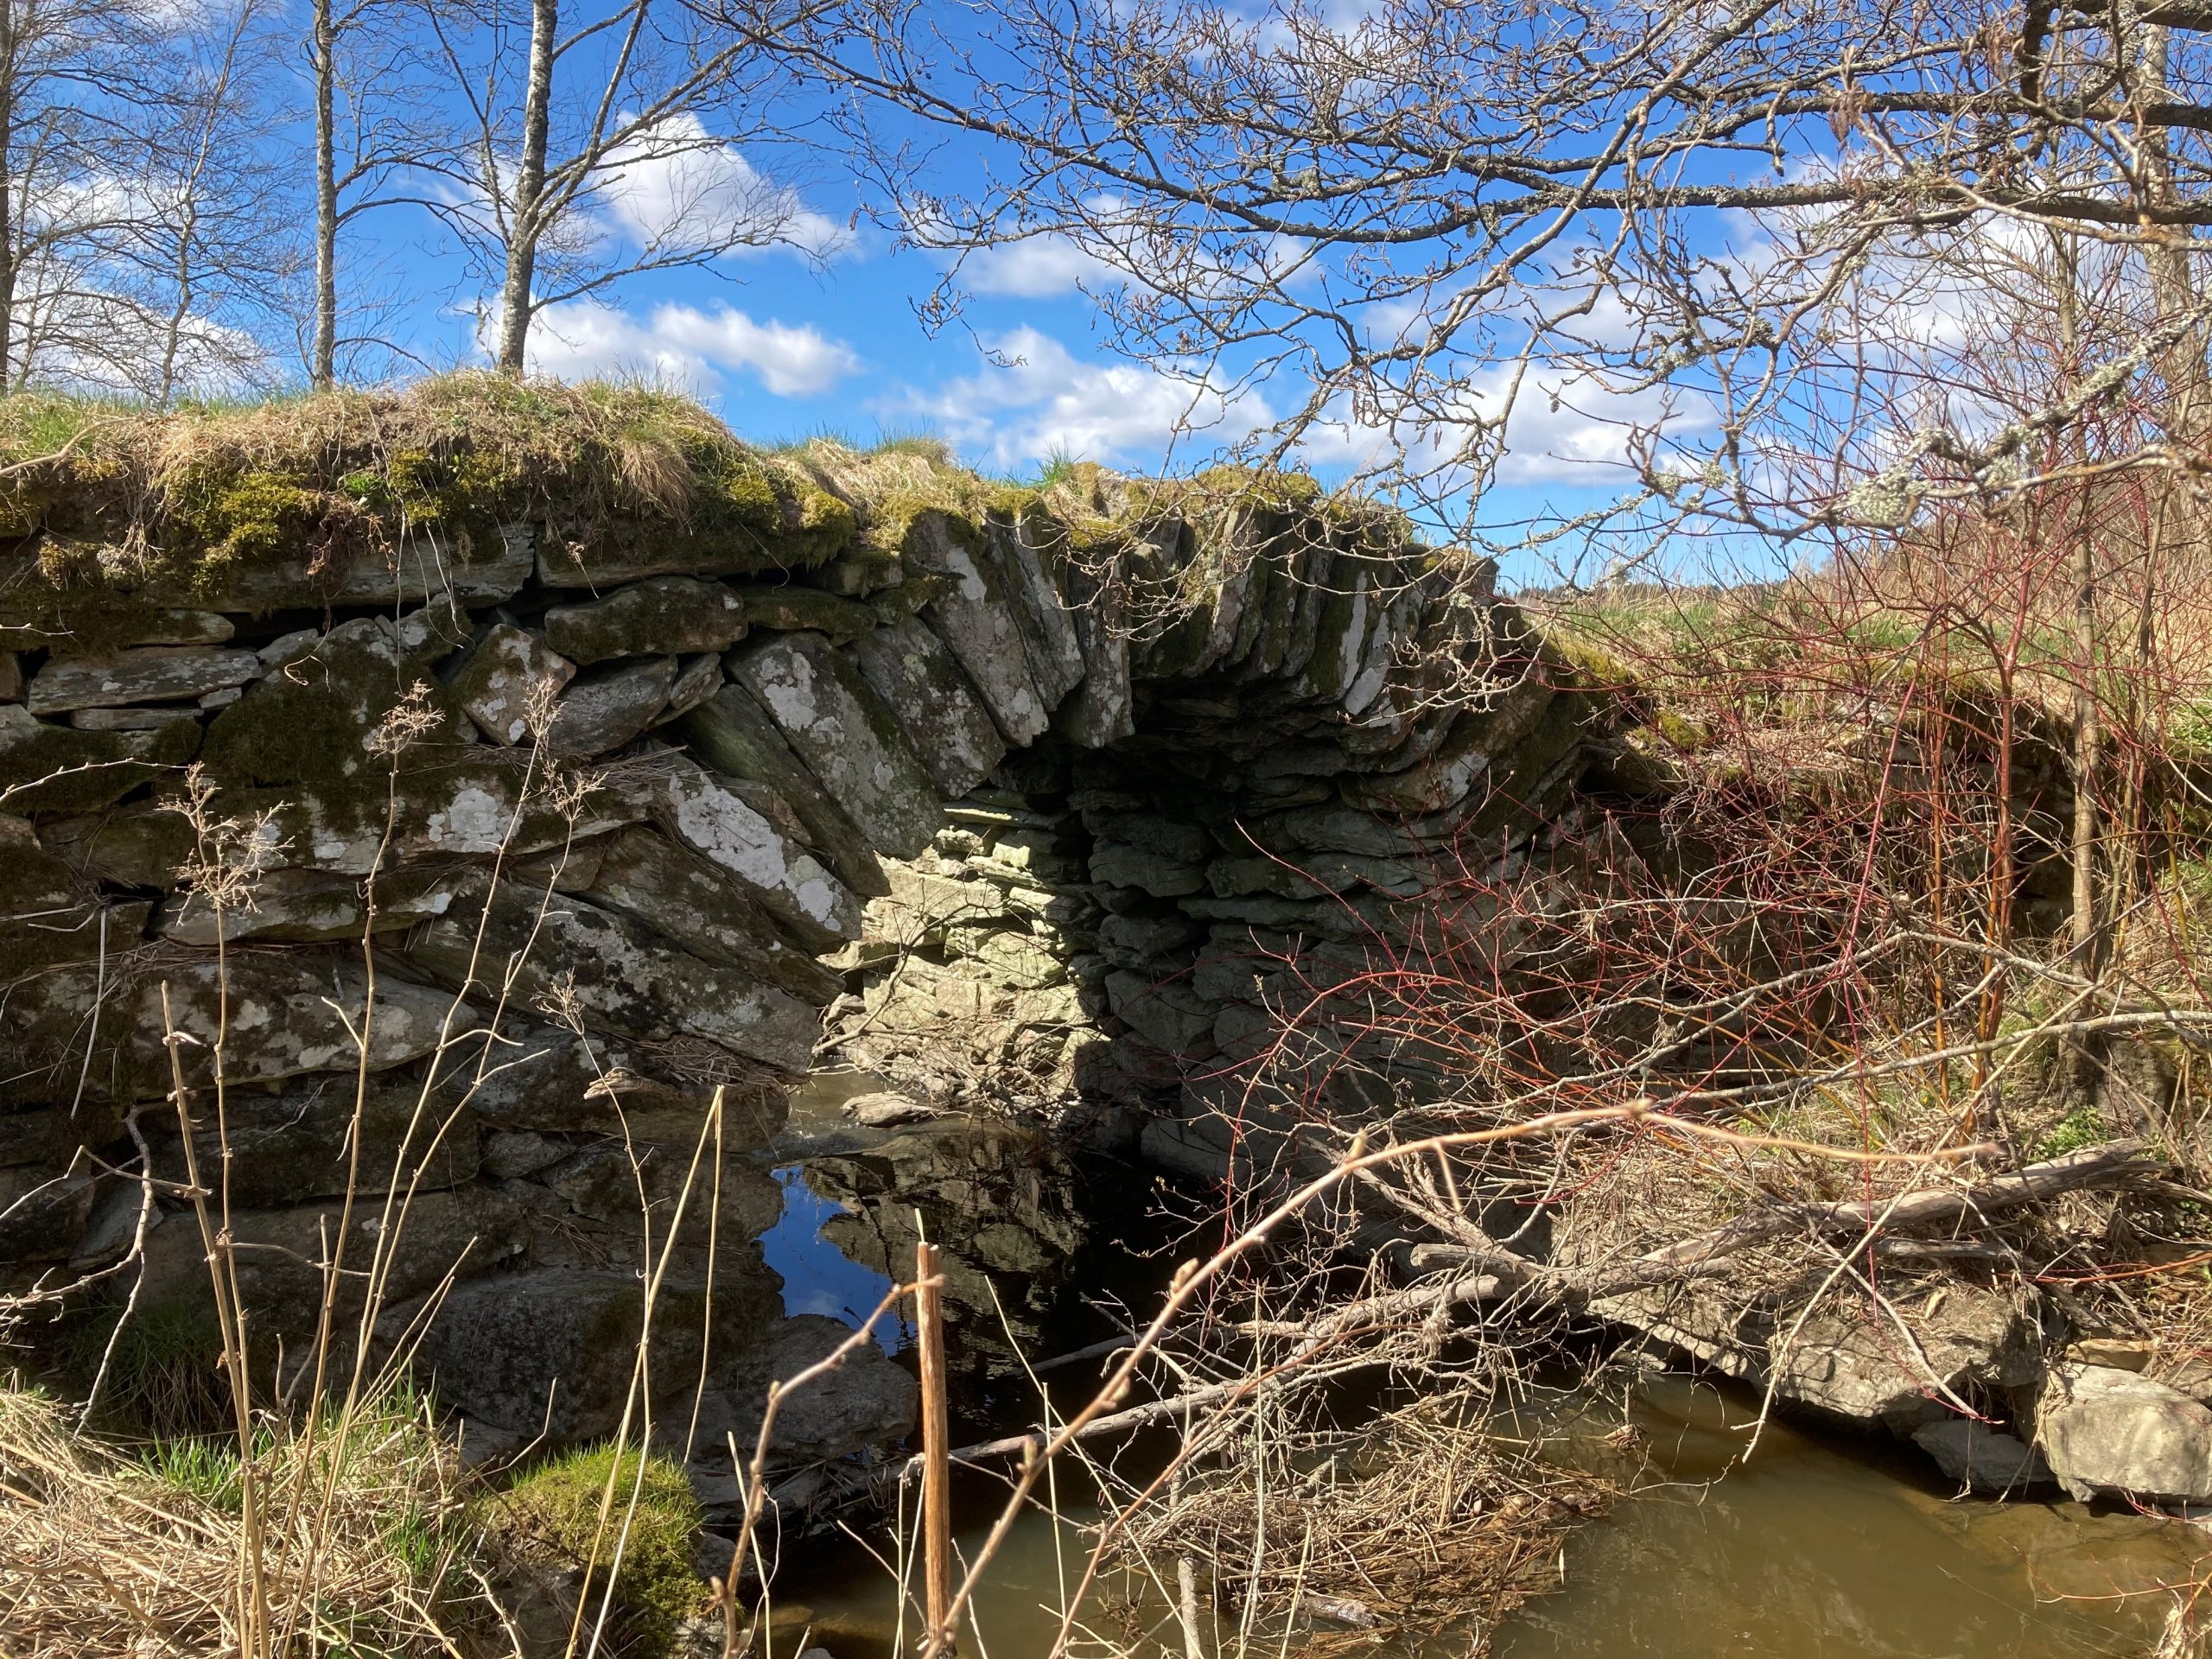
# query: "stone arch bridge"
(499, 863)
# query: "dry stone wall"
(473, 871)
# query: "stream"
(1818, 1545)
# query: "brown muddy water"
(1815, 1546)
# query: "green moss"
(563, 1508)
(49, 768)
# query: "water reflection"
(818, 1277)
(997, 1198)
(1828, 1551)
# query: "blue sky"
(826, 335)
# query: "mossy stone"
(662, 616)
(48, 768)
(791, 609)
(557, 1509)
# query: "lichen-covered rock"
(696, 680)
(605, 709)
(1101, 710)
(315, 1139)
(280, 1014)
(732, 733)
(792, 610)
(46, 915)
(715, 821)
(1048, 632)
(976, 617)
(142, 674)
(287, 905)
(849, 740)
(2106, 1431)
(1474, 738)
(922, 684)
(613, 974)
(703, 909)
(663, 616)
(509, 677)
(48, 768)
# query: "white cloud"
(682, 346)
(1037, 269)
(678, 183)
(1561, 426)
(1034, 399)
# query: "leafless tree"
(608, 141)
(80, 83)
(376, 122)
(1414, 223)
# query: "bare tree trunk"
(323, 351)
(9, 44)
(529, 188)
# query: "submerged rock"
(1986, 1459)
(887, 1110)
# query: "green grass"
(202, 1467)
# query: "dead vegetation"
(104, 1554)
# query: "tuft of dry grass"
(370, 1547)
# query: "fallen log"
(2117, 1163)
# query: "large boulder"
(2107, 1432)
(556, 1350)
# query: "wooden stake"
(937, 1453)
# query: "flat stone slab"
(663, 616)
(848, 739)
(605, 710)
(142, 674)
(974, 614)
(617, 974)
(284, 1019)
(510, 671)
(704, 909)
(715, 821)
(732, 733)
(921, 682)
